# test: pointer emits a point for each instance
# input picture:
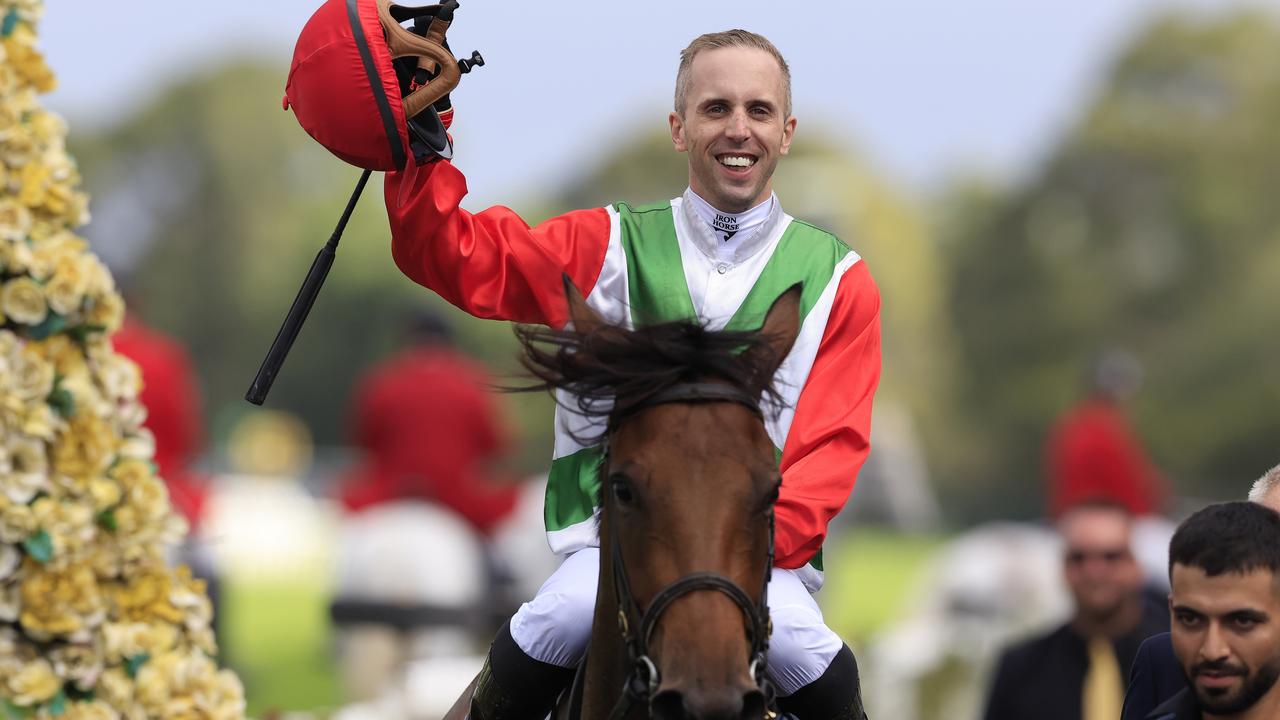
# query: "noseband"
(643, 679)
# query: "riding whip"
(372, 92)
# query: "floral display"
(93, 622)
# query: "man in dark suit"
(1156, 675)
(1077, 671)
(1224, 569)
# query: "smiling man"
(1224, 568)
(720, 253)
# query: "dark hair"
(612, 371)
(426, 325)
(1233, 537)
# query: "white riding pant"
(555, 626)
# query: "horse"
(687, 489)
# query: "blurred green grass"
(870, 575)
(276, 631)
(275, 635)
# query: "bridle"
(643, 678)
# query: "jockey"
(718, 253)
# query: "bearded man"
(1224, 569)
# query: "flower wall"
(93, 623)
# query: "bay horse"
(687, 489)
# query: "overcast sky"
(924, 88)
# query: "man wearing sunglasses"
(1077, 671)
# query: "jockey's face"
(734, 127)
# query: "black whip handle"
(301, 304)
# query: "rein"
(643, 679)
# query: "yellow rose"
(78, 663)
(32, 376)
(34, 684)
(90, 710)
(40, 421)
(104, 492)
(17, 146)
(15, 220)
(78, 214)
(115, 687)
(60, 603)
(151, 498)
(98, 280)
(15, 256)
(106, 310)
(26, 60)
(17, 522)
(88, 398)
(120, 377)
(70, 525)
(152, 685)
(65, 354)
(65, 290)
(10, 560)
(122, 641)
(33, 185)
(15, 651)
(138, 443)
(23, 301)
(43, 228)
(28, 467)
(146, 598)
(47, 127)
(59, 244)
(158, 638)
(131, 472)
(84, 449)
(59, 196)
(10, 605)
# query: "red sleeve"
(491, 264)
(829, 436)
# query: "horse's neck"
(607, 656)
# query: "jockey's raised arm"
(490, 264)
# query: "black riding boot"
(836, 695)
(514, 686)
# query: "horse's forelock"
(631, 366)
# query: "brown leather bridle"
(643, 678)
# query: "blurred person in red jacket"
(171, 395)
(1093, 451)
(429, 431)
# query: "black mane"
(612, 371)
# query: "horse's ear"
(781, 326)
(584, 319)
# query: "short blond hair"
(728, 38)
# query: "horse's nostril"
(753, 705)
(667, 705)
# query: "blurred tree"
(1154, 226)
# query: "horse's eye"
(622, 491)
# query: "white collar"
(754, 227)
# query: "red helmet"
(344, 87)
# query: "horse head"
(686, 495)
